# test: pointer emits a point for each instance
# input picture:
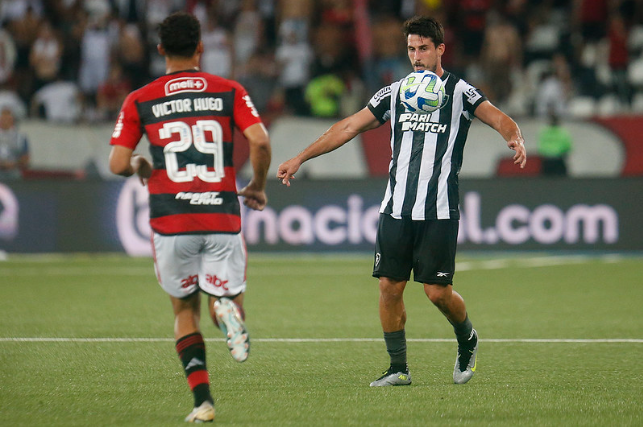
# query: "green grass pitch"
(87, 340)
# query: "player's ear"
(199, 47)
(160, 49)
(441, 48)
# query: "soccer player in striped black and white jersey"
(419, 214)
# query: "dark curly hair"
(424, 26)
(180, 34)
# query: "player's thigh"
(393, 248)
(223, 268)
(177, 261)
(434, 251)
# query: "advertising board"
(331, 215)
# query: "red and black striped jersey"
(189, 119)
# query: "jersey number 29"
(193, 135)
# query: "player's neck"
(178, 65)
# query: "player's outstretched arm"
(506, 127)
(336, 136)
(254, 193)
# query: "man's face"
(6, 120)
(423, 54)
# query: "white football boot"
(232, 325)
(201, 414)
(390, 377)
(467, 357)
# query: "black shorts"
(426, 247)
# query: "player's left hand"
(518, 145)
(142, 167)
(253, 198)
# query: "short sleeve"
(245, 113)
(380, 104)
(128, 131)
(472, 98)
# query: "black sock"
(396, 348)
(191, 350)
(463, 330)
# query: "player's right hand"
(287, 170)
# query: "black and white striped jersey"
(426, 150)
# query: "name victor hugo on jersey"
(187, 106)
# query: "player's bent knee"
(439, 295)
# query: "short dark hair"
(424, 26)
(180, 34)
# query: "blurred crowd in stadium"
(75, 60)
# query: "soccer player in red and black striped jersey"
(189, 118)
(419, 215)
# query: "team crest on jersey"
(185, 84)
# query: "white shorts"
(212, 263)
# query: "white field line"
(78, 271)
(331, 340)
(530, 262)
(257, 268)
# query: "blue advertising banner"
(331, 215)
